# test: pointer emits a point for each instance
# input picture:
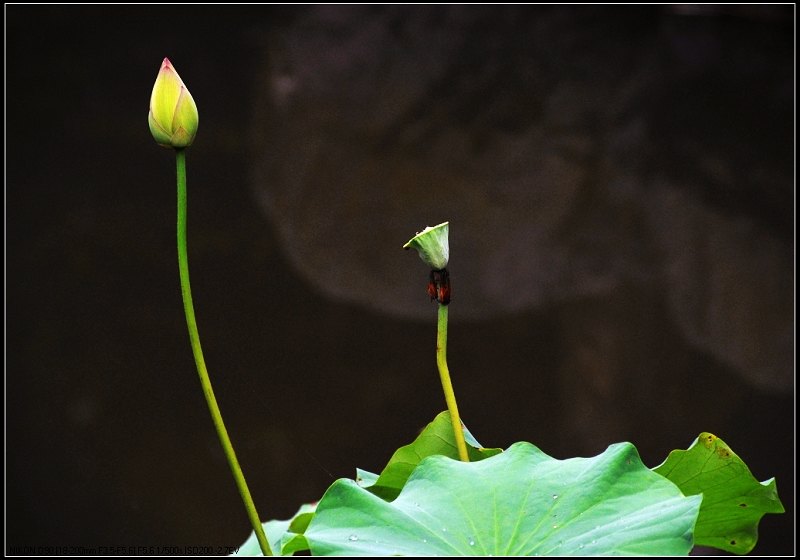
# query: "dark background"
(108, 440)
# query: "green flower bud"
(433, 245)
(173, 115)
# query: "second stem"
(447, 385)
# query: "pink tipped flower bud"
(173, 115)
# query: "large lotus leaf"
(520, 502)
(733, 500)
(436, 439)
(285, 536)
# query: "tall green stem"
(447, 385)
(194, 337)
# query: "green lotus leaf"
(733, 500)
(520, 502)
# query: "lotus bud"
(173, 115)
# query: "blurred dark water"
(108, 439)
